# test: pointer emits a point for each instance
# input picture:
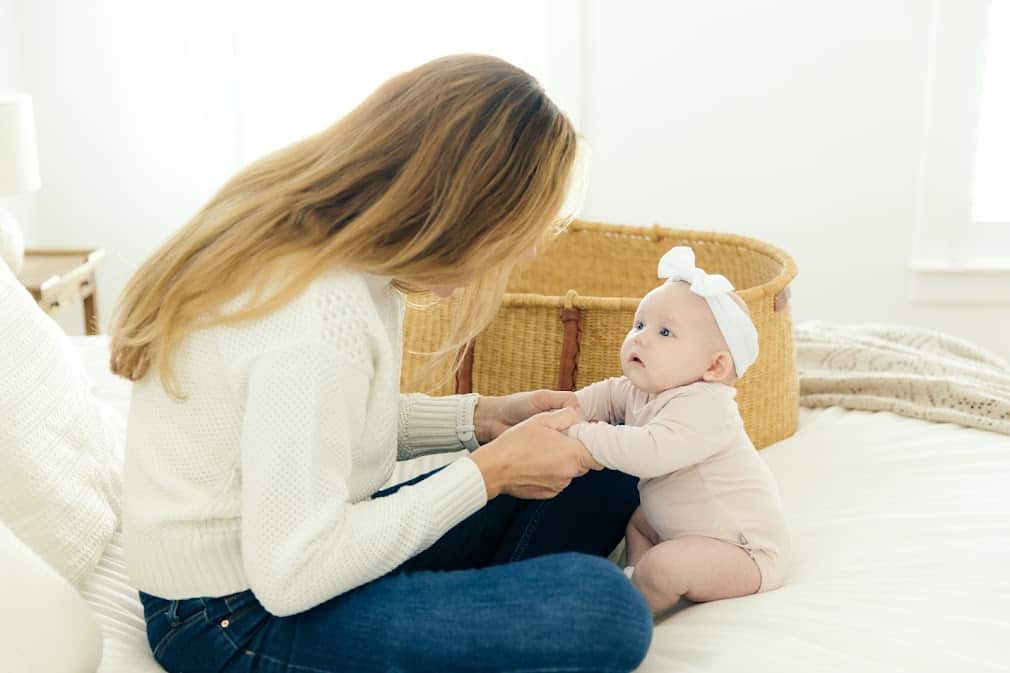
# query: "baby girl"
(710, 525)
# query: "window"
(962, 249)
(991, 197)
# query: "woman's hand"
(534, 459)
(495, 415)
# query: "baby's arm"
(647, 451)
(605, 400)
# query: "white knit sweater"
(262, 477)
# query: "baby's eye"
(639, 324)
(664, 332)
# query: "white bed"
(901, 537)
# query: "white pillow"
(60, 452)
(45, 625)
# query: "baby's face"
(672, 340)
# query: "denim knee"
(608, 608)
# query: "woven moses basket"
(566, 313)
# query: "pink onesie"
(699, 473)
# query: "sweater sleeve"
(435, 424)
(660, 447)
(305, 537)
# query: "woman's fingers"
(556, 399)
(577, 455)
(559, 419)
(548, 488)
(586, 458)
(542, 459)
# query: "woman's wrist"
(483, 412)
(491, 469)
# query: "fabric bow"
(736, 326)
(678, 264)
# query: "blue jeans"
(519, 586)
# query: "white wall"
(796, 122)
(10, 81)
(144, 108)
(792, 121)
(136, 127)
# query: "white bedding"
(901, 540)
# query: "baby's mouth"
(635, 360)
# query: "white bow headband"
(734, 323)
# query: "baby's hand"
(580, 418)
(587, 458)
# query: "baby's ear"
(720, 368)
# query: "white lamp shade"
(19, 159)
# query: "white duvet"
(901, 545)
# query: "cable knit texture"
(262, 477)
(59, 448)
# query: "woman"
(265, 344)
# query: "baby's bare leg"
(699, 568)
(639, 537)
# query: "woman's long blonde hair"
(446, 175)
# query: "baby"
(710, 525)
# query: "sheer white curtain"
(302, 64)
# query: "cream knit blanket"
(905, 370)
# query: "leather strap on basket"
(571, 330)
(464, 375)
(782, 299)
